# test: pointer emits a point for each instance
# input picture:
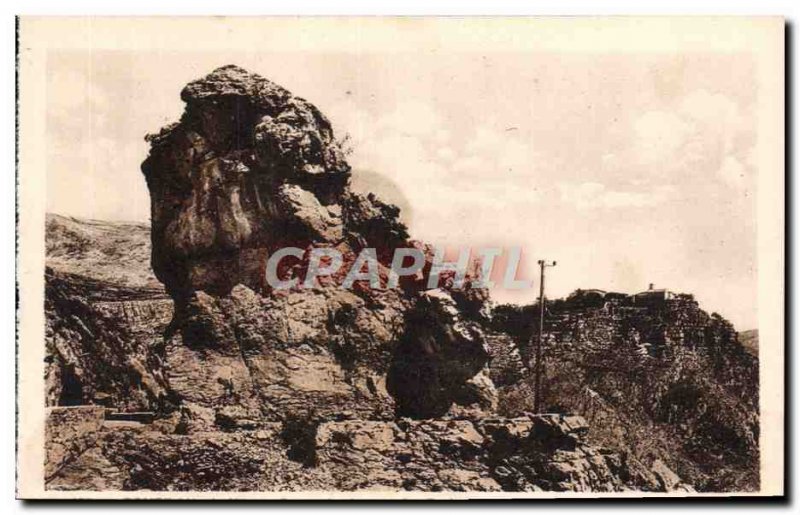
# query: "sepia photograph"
(400, 258)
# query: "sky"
(627, 169)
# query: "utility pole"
(538, 368)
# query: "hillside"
(115, 253)
(105, 313)
(660, 381)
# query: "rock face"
(540, 453)
(250, 169)
(320, 354)
(665, 382)
(102, 351)
(441, 357)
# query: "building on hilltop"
(612, 302)
(652, 297)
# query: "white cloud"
(492, 155)
(714, 113)
(734, 173)
(593, 195)
(451, 182)
(414, 146)
(658, 136)
(445, 154)
(413, 118)
(696, 139)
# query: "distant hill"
(749, 340)
(117, 253)
(666, 380)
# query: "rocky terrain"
(663, 381)
(216, 381)
(105, 314)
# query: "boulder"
(440, 360)
(249, 166)
(248, 169)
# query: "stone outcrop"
(249, 169)
(540, 453)
(440, 360)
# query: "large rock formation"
(106, 352)
(250, 169)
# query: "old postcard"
(400, 258)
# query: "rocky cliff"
(662, 381)
(251, 388)
(250, 169)
(105, 314)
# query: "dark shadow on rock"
(438, 353)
